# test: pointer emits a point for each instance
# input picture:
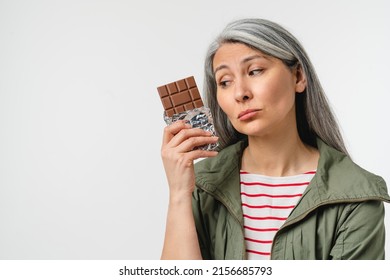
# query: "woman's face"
(256, 91)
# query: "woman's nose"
(242, 91)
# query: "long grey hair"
(314, 116)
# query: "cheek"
(227, 107)
(280, 93)
(222, 102)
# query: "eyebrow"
(245, 60)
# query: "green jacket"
(340, 215)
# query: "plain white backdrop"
(81, 122)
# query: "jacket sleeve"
(200, 223)
(362, 234)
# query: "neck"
(280, 155)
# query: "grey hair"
(314, 115)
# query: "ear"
(300, 84)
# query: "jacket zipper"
(235, 217)
(305, 214)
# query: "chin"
(252, 130)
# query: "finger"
(193, 142)
(171, 130)
(186, 134)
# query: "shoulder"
(341, 176)
(215, 170)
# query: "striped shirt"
(266, 204)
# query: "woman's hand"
(178, 155)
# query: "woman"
(282, 185)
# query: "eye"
(224, 83)
(255, 72)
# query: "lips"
(244, 115)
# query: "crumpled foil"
(197, 118)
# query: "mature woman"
(282, 185)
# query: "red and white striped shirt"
(266, 204)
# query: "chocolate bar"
(181, 101)
(180, 96)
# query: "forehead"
(235, 51)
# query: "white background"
(81, 122)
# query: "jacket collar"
(338, 179)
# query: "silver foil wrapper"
(197, 118)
